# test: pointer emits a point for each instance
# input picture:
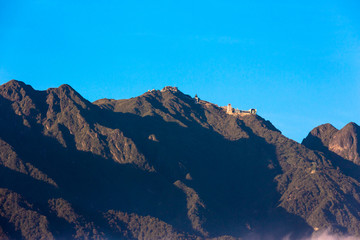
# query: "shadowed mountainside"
(319, 137)
(160, 166)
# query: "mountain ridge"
(158, 165)
(343, 142)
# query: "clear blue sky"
(297, 62)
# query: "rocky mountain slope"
(344, 143)
(161, 166)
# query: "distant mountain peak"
(66, 87)
(14, 82)
(319, 137)
(65, 91)
(344, 142)
(21, 93)
(351, 125)
(16, 85)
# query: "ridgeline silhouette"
(164, 165)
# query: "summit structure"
(232, 111)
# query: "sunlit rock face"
(344, 142)
(319, 137)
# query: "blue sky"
(297, 62)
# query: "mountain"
(319, 137)
(344, 142)
(162, 166)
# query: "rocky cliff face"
(319, 137)
(161, 166)
(344, 142)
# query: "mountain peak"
(351, 126)
(66, 87)
(169, 88)
(345, 142)
(16, 84)
(65, 91)
(319, 137)
(15, 90)
(166, 92)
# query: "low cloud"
(326, 235)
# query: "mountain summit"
(344, 142)
(163, 165)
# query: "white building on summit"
(233, 111)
